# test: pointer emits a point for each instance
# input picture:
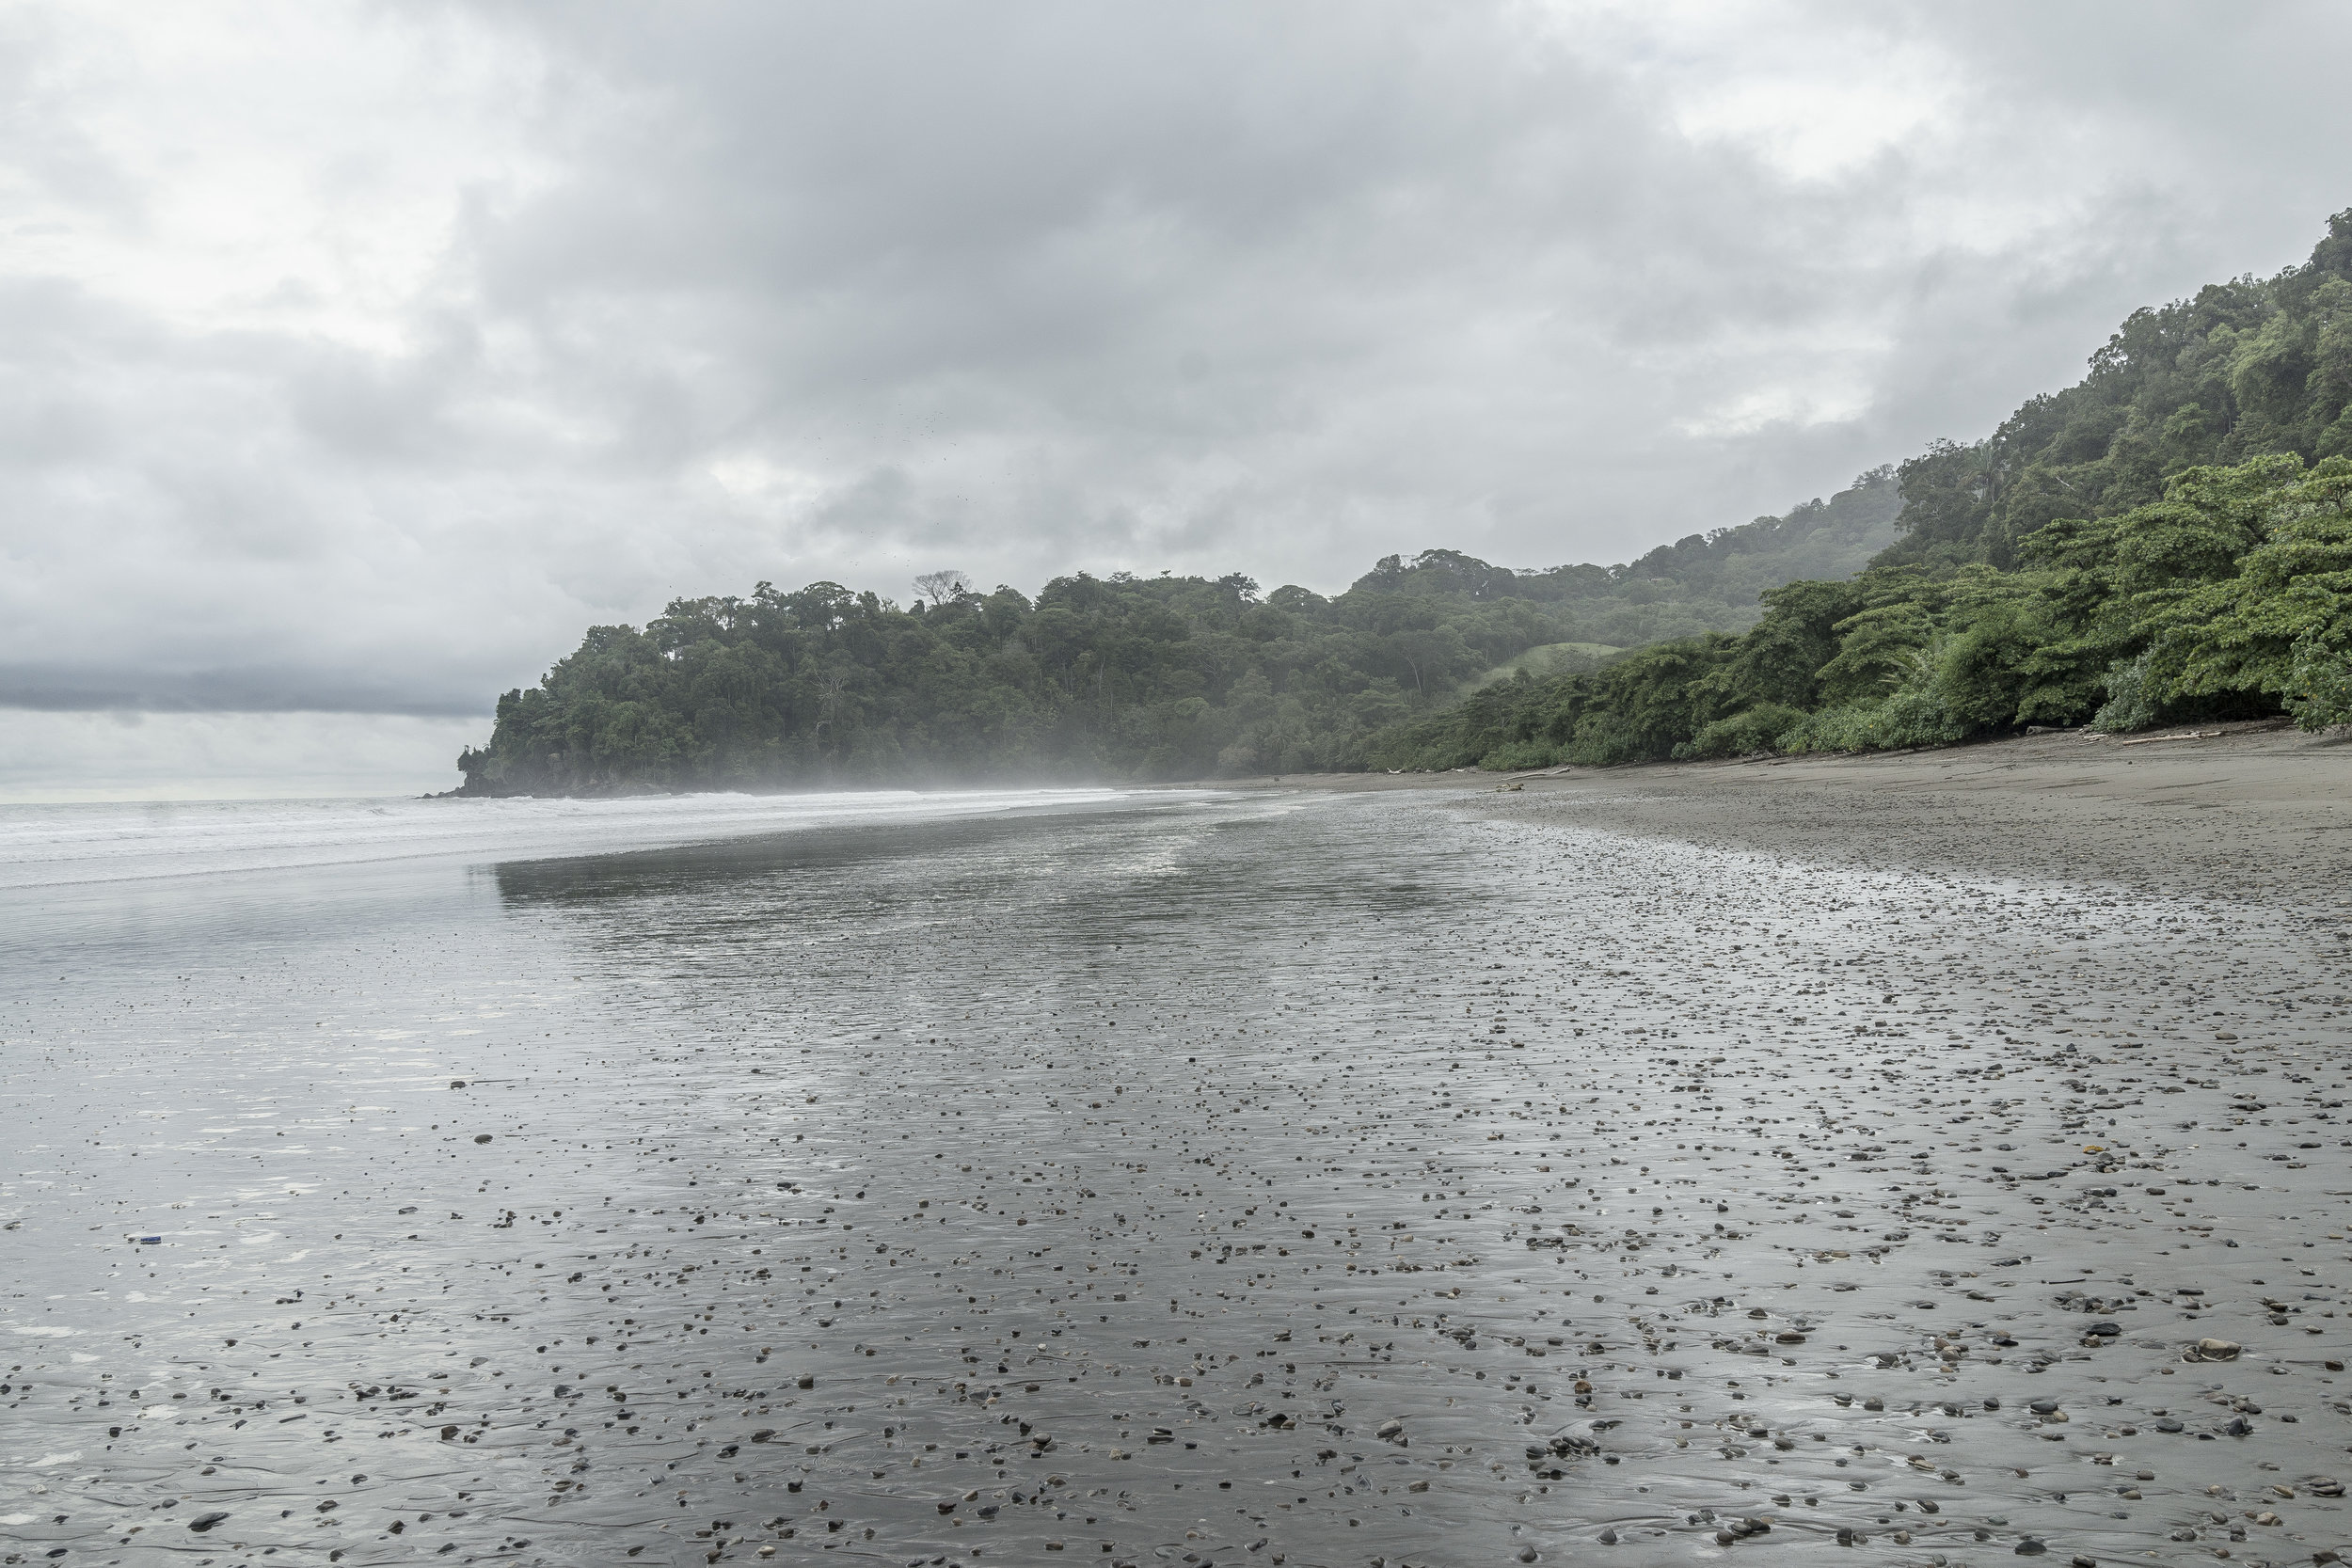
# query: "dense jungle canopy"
(2169, 538)
(1125, 677)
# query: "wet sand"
(1651, 1166)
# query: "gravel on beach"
(1668, 1165)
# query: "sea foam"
(54, 845)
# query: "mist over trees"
(1120, 678)
(2245, 368)
(2171, 538)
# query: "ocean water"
(62, 846)
(1185, 1178)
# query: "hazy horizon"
(361, 358)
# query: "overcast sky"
(355, 357)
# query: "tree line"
(1121, 677)
(2167, 540)
(2171, 538)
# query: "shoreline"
(1517, 1181)
(2246, 809)
(2273, 745)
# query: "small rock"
(204, 1522)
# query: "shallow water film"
(1315, 1179)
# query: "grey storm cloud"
(356, 357)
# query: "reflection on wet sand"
(1307, 1179)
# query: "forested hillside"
(1120, 678)
(2168, 539)
(1701, 583)
(2247, 366)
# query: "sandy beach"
(1940, 1154)
(2217, 805)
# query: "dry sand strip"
(2215, 808)
(2261, 811)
